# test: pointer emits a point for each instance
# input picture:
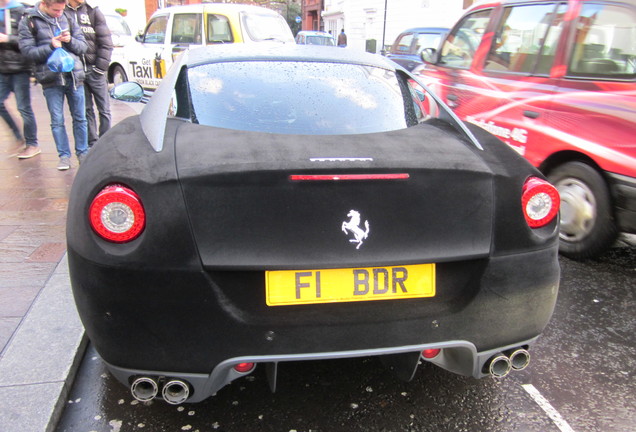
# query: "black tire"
(587, 226)
(118, 75)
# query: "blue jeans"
(76, 102)
(20, 84)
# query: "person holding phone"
(96, 61)
(43, 29)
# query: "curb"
(39, 364)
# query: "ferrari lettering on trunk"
(290, 287)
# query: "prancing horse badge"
(352, 227)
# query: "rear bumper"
(624, 194)
(460, 357)
(197, 325)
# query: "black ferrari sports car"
(286, 203)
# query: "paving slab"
(38, 365)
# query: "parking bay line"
(547, 408)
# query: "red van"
(556, 80)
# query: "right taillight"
(540, 202)
(116, 214)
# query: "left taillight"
(116, 214)
(540, 202)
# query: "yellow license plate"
(293, 287)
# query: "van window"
(186, 29)
(605, 44)
(117, 25)
(219, 30)
(260, 27)
(526, 39)
(403, 45)
(156, 30)
(426, 40)
(551, 41)
(460, 46)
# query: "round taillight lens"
(540, 202)
(117, 215)
(244, 367)
(431, 353)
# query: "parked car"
(175, 29)
(557, 82)
(122, 38)
(306, 37)
(407, 48)
(255, 228)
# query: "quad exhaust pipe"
(519, 359)
(144, 389)
(501, 364)
(174, 392)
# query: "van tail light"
(116, 214)
(540, 202)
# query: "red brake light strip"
(338, 177)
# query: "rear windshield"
(261, 27)
(320, 40)
(321, 99)
(117, 25)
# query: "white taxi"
(173, 30)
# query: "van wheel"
(587, 227)
(118, 75)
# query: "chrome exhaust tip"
(175, 392)
(519, 359)
(499, 366)
(144, 389)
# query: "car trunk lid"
(249, 211)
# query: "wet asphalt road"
(583, 368)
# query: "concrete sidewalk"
(41, 337)
(38, 366)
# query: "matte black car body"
(186, 299)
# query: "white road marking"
(547, 408)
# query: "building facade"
(311, 11)
(372, 24)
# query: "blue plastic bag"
(60, 61)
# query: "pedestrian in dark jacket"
(96, 62)
(43, 29)
(342, 39)
(15, 76)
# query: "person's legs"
(22, 90)
(99, 89)
(6, 87)
(76, 101)
(91, 122)
(55, 103)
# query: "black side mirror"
(127, 92)
(139, 38)
(429, 55)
